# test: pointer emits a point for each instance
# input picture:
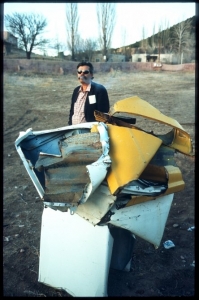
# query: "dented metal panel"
(129, 159)
(69, 166)
(30, 143)
(74, 255)
(146, 220)
(136, 106)
(175, 183)
(66, 177)
(97, 205)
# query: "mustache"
(82, 77)
(85, 79)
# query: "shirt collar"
(87, 89)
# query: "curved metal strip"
(136, 106)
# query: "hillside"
(168, 30)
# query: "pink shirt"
(78, 116)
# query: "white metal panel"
(97, 205)
(29, 131)
(146, 220)
(74, 254)
(31, 173)
(97, 171)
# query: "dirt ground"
(42, 102)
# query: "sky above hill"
(131, 19)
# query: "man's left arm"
(102, 100)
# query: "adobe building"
(9, 42)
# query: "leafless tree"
(106, 22)
(165, 37)
(153, 44)
(28, 28)
(79, 47)
(123, 36)
(163, 42)
(181, 38)
(90, 46)
(57, 45)
(123, 39)
(159, 41)
(144, 41)
(72, 21)
(85, 48)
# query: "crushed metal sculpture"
(102, 184)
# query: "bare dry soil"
(42, 102)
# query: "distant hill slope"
(137, 44)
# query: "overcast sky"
(131, 18)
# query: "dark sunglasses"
(84, 72)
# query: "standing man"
(87, 97)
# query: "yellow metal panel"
(182, 142)
(130, 150)
(135, 105)
(154, 173)
(175, 184)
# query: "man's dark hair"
(86, 64)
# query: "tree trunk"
(181, 58)
(28, 54)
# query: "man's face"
(84, 75)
